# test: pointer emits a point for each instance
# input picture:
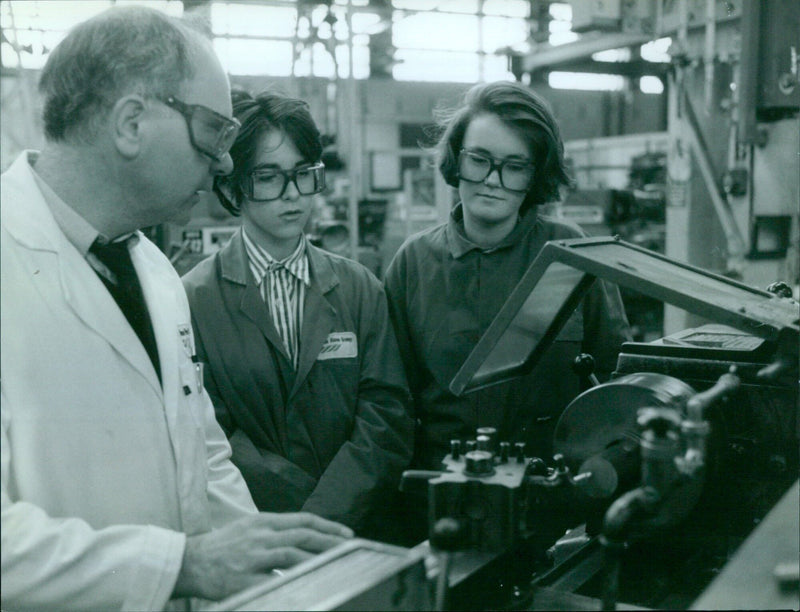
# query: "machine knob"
(484, 443)
(455, 448)
(658, 420)
(505, 450)
(472, 445)
(536, 467)
(447, 535)
(479, 463)
(519, 451)
(583, 366)
(780, 289)
(489, 432)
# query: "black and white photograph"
(399, 305)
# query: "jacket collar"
(235, 265)
(26, 215)
(38, 224)
(459, 245)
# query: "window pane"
(324, 66)
(459, 6)
(561, 11)
(253, 20)
(360, 61)
(302, 63)
(562, 38)
(365, 22)
(170, 7)
(499, 32)
(436, 66)
(437, 31)
(255, 57)
(586, 81)
(507, 8)
(495, 68)
(416, 5)
(10, 59)
(623, 54)
(53, 15)
(657, 50)
(651, 85)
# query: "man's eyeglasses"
(266, 185)
(210, 132)
(476, 167)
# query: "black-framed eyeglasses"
(475, 167)
(209, 132)
(270, 184)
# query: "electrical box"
(596, 14)
(779, 43)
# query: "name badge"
(186, 338)
(339, 345)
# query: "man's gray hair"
(121, 51)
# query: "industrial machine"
(670, 464)
(659, 475)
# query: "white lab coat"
(103, 471)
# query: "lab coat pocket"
(192, 389)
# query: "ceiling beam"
(547, 55)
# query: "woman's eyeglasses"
(475, 167)
(266, 185)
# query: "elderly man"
(117, 488)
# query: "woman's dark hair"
(266, 111)
(523, 111)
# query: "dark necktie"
(124, 286)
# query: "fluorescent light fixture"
(651, 85)
(657, 50)
(623, 54)
(588, 81)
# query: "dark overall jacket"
(334, 436)
(444, 292)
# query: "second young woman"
(502, 151)
(301, 359)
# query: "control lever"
(784, 367)
(697, 404)
(446, 538)
(583, 366)
(558, 476)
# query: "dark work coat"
(331, 438)
(443, 294)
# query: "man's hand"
(229, 559)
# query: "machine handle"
(697, 404)
(784, 366)
(583, 366)
(447, 536)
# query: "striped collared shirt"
(283, 288)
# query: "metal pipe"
(354, 139)
(708, 54)
(734, 241)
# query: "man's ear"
(126, 122)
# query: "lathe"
(673, 485)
